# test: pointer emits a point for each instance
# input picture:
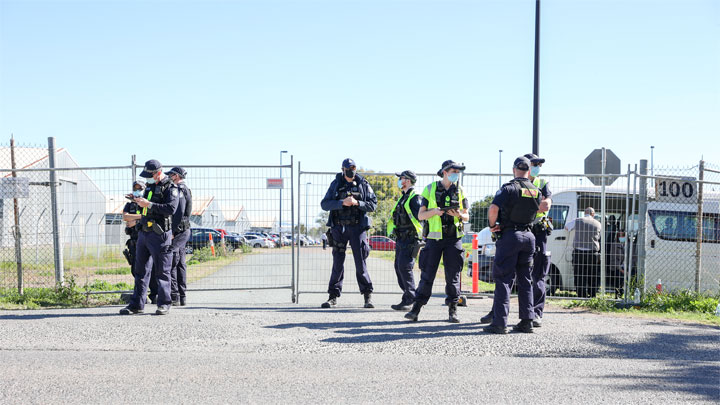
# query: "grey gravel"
(287, 353)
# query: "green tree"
(387, 193)
(478, 213)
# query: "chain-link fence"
(681, 248)
(648, 227)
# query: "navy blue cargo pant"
(178, 272)
(404, 263)
(541, 267)
(451, 252)
(152, 248)
(513, 258)
(355, 234)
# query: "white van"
(670, 254)
(671, 245)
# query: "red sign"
(275, 183)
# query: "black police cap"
(533, 158)
(151, 166)
(179, 171)
(408, 174)
(449, 164)
(522, 163)
(348, 163)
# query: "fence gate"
(88, 209)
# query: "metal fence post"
(699, 231)
(626, 259)
(293, 240)
(603, 224)
(57, 243)
(37, 230)
(16, 230)
(642, 214)
(296, 280)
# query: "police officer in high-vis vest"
(181, 235)
(511, 216)
(445, 208)
(349, 198)
(131, 216)
(158, 204)
(403, 223)
(541, 228)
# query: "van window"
(681, 226)
(558, 215)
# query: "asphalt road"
(287, 353)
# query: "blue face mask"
(622, 239)
(453, 177)
(151, 180)
(137, 193)
(400, 183)
(534, 171)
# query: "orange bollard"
(475, 269)
(212, 245)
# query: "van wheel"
(257, 245)
(553, 281)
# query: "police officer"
(403, 223)
(512, 213)
(349, 198)
(181, 235)
(158, 204)
(131, 216)
(541, 228)
(444, 206)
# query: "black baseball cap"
(151, 166)
(409, 174)
(522, 163)
(139, 183)
(179, 171)
(449, 164)
(533, 158)
(348, 163)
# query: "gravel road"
(286, 353)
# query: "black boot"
(368, 300)
(452, 313)
(487, 318)
(330, 303)
(414, 312)
(525, 326)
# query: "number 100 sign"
(675, 190)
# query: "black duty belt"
(521, 228)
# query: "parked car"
(200, 238)
(258, 241)
(381, 243)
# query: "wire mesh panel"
(251, 236)
(682, 236)
(240, 238)
(315, 263)
(572, 194)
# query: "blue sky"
(393, 84)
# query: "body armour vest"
(402, 220)
(156, 195)
(523, 212)
(181, 220)
(348, 215)
(540, 183)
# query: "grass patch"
(119, 270)
(684, 305)
(65, 296)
